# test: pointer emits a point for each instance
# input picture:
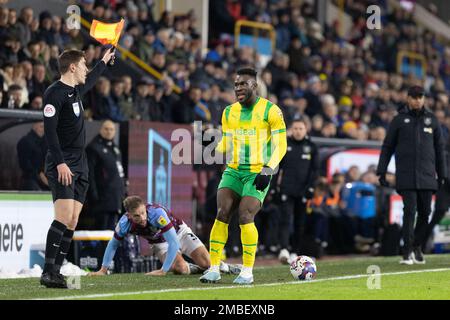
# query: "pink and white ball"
(303, 268)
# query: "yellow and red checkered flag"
(106, 33)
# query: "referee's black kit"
(66, 136)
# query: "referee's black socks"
(54, 237)
(63, 249)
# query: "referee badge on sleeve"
(76, 108)
(49, 110)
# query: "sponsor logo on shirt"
(49, 110)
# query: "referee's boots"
(53, 280)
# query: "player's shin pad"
(218, 238)
(249, 239)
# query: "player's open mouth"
(240, 95)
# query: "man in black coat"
(299, 170)
(442, 199)
(415, 137)
(31, 150)
(106, 177)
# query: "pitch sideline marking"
(104, 295)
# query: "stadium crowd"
(344, 87)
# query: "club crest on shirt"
(76, 108)
(407, 120)
(162, 221)
(427, 121)
(306, 149)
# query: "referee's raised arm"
(96, 72)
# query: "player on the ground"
(169, 237)
(253, 130)
(66, 165)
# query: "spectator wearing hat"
(415, 137)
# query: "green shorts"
(241, 182)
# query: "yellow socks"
(249, 239)
(217, 240)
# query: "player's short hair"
(131, 203)
(68, 57)
(247, 71)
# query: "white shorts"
(188, 243)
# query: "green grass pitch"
(336, 279)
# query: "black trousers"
(440, 209)
(106, 220)
(420, 201)
(293, 218)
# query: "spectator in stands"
(59, 37)
(31, 51)
(13, 100)
(168, 99)
(35, 102)
(353, 174)
(158, 61)
(24, 25)
(105, 106)
(312, 96)
(31, 150)
(38, 83)
(117, 94)
(329, 130)
(142, 101)
(106, 178)
(155, 94)
(4, 13)
(184, 111)
(145, 47)
(45, 32)
(9, 51)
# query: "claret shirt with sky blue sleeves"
(161, 226)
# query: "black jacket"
(106, 175)
(300, 167)
(416, 140)
(31, 151)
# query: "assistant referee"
(66, 165)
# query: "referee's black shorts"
(77, 163)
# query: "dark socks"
(54, 236)
(63, 249)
